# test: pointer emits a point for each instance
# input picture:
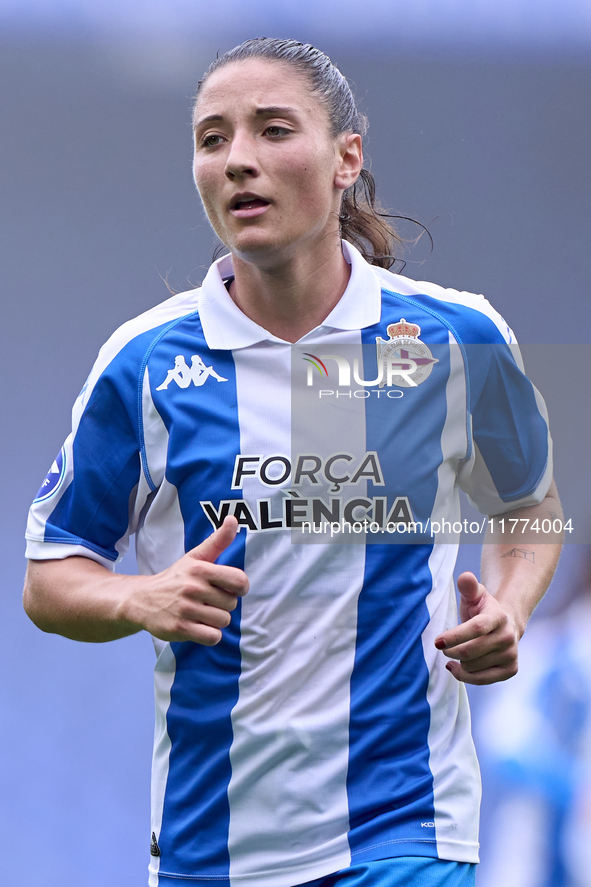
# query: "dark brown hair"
(362, 220)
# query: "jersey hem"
(451, 851)
(76, 540)
(531, 491)
(425, 847)
(58, 549)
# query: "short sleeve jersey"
(324, 729)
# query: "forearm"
(516, 568)
(80, 599)
(191, 600)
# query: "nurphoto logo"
(402, 361)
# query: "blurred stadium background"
(479, 128)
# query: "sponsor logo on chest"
(293, 510)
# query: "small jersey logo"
(154, 848)
(54, 478)
(404, 349)
(183, 375)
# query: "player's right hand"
(192, 600)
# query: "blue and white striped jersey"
(323, 730)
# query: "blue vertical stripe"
(510, 433)
(390, 785)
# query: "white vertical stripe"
(288, 791)
(155, 434)
(452, 758)
(160, 539)
(159, 543)
(164, 674)
(454, 445)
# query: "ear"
(349, 160)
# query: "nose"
(241, 158)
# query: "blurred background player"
(534, 740)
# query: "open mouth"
(246, 203)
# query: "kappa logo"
(183, 375)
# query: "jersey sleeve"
(509, 462)
(87, 502)
(97, 490)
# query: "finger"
(501, 658)
(215, 597)
(199, 623)
(211, 548)
(197, 633)
(486, 676)
(477, 627)
(208, 636)
(499, 640)
(215, 617)
(475, 650)
(470, 589)
(472, 599)
(230, 580)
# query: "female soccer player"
(312, 723)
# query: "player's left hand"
(483, 648)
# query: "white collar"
(226, 327)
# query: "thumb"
(211, 548)
(470, 589)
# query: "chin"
(256, 247)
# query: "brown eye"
(211, 141)
(276, 131)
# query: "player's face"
(268, 170)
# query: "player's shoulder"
(151, 324)
(470, 315)
(121, 360)
(133, 339)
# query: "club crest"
(405, 351)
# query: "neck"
(291, 298)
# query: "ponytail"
(364, 223)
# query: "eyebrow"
(209, 119)
(274, 110)
(270, 111)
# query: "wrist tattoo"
(521, 552)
